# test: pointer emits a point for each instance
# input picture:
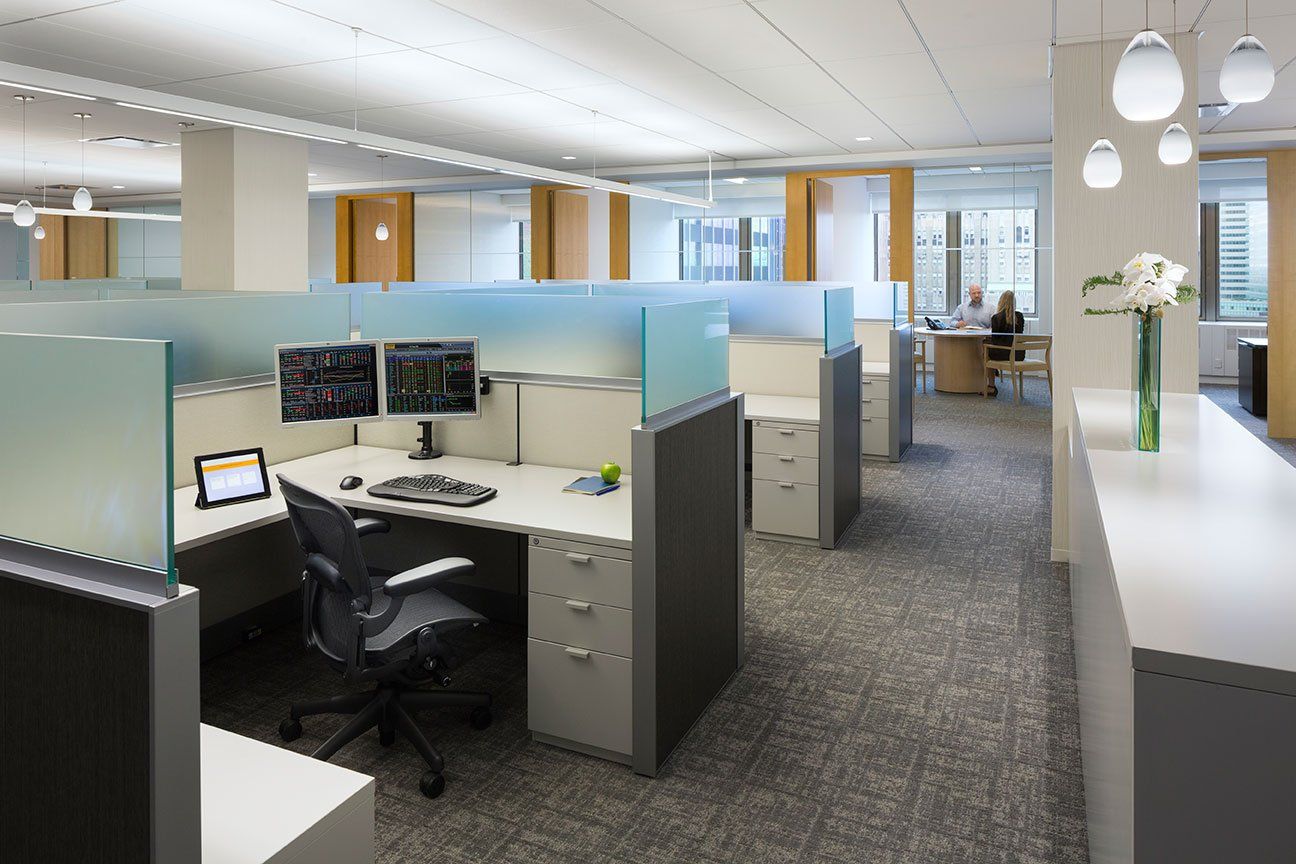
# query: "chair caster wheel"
(290, 729)
(386, 737)
(431, 784)
(480, 717)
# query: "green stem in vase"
(1149, 384)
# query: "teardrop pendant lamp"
(1248, 72)
(1102, 164)
(81, 199)
(1149, 84)
(381, 233)
(1175, 146)
(24, 215)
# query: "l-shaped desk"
(634, 598)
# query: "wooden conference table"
(957, 358)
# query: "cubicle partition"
(98, 643)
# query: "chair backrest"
(1027, 342)
(336, 573)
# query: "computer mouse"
(350, 482)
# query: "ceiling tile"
(932, 109)
(701, 93)
(777, 130)
(957, 25)
(1013, 64)
(1277, 34)
(780, 86)
(889, 75)
(723, 38)
(842, 29)
(1010, 115)
(618, 51)
(414, 22)
(516, 59)
(527, 16)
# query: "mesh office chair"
(384, 632)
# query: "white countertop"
(530, 498)
(262, 803)
(1199, 537)
(786, 409)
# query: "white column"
(244, 206)
(1152, 209)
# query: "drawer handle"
(787, 431)
(787, 459)
(578, 559)
(577, 653)
(867, 419)
(578, 606)
(785, 485)
(867, 401)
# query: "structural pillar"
(243, 199)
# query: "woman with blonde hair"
(1005, 322)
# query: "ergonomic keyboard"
(433, 489)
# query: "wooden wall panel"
(53, 249)
(821, 230)
(1282, 293)
(619, 236)
(570, 235)
(357, 250)
(798, 253)
(87, 248)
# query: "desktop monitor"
(328, 382)
(431, 379)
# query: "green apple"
(610, 472)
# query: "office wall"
(464, 237)
(1154, 208)
(10, 243)
(852, 229)
(321, 234)
(600, 224)
(654, 241)
(146, 248)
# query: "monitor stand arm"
(426, 451)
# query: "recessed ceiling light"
(976, 169)
(569, 157)
(865, 138)
(735, 179)
(119, 187)
(311, 174)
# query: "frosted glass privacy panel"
(50, 284)
(15, 285)
(875, 301)
(900, 291)
(685, 353)
(755, 308)
(50, 295)
(87, 447)
(355, 290)
(839, 318)
(529, 286)
(215, 337)
(543, 334)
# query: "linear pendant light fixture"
(1175, 146)
(1102, 164)
(1248, 72)
(1149, 84)
(224, 122)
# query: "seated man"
(972, 312)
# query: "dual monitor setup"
(367, 380)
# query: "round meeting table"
(957, 358)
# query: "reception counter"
(1183, 590)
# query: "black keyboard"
(433, 489)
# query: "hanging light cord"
(83, 116)
(355, 81)
(23, 101)
(1102, 105)
(594, 157)
(44, 183)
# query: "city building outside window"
(732, 248)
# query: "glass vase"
(1146, 392)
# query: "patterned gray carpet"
(908, 697)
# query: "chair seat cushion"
(426, 608)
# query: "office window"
(1235, 260)
(994, 248)
(524, 249)
(731, 248)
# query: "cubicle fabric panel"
(215, 337)
(87, 448)
(688, 572)
(902, 389)
(839, 443)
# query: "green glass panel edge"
(168, 394)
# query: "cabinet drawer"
(797, 469)
(875, 436)
(580, 576)
(785, 440)
(580, 695)
(579, 623)
(876, 388)
(879, 408)
(785, 508)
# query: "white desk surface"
(530, 498)
(1199, 536)
(876, 367)
(786, 409)
(965, 332)
(261, 803)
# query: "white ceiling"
(670, 80)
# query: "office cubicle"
(98, 642)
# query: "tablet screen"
(229, 477)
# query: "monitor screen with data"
(431, 379)
(329, 382)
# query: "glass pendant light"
(1102, 165)
(1248, 73)
(381, 232)
(81, 199)
(24, 215)
(39, 233)
(1175, 146)
(1149, 84)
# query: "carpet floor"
(908, 697)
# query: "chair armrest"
(420, 578)
(367, 525)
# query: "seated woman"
(1003, 324)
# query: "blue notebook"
(590, 486)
